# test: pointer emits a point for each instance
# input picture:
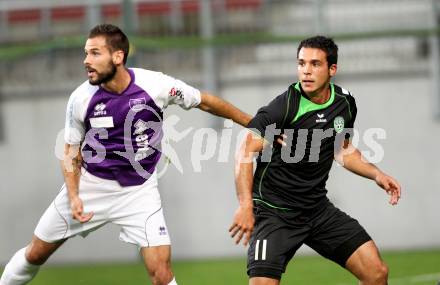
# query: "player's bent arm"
(244, 167)
(219, 107)
(243, 223)
(71, 167)
(352, 160)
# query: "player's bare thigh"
(367, 265)
(38, 251)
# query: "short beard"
(104, 77)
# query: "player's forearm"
(71, 167)
(72, 183)
(243, 183)
(244, 170)
(222, 108)
(355, 163)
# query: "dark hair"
(114, 38)
(323, 43)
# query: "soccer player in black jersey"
(284, 204)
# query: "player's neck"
(320, 96)
(120, 81)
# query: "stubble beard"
(104, 77)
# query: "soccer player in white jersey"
(115, 117)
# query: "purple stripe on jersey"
(123, 135)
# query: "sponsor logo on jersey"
(100, 110)
(137, 104)
(338, 123)
(141, 139)
(321, 118)
(162, 231)
(174, 92)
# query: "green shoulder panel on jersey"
(306, 105)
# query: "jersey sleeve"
(270, 118)
(178, 92)
(352, 113)
(74, 130)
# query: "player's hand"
(281, 140)
(390, 185)
(242, 225)
(77, 208)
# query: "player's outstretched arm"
(243, 223)
(219, 107)
(351, 158)
(71, 166)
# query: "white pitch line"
(425, 277)
(411, 279)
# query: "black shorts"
(278, 235)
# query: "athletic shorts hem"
(346, 249)
(268, 272)
(147, 244)
(46, 239)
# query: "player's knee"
(379, 274)
(161, 274)
(35, 257)
(382, 272)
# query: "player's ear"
(118, 57)
(332, 70)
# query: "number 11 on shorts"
(263, 250)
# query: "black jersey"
(294, 177)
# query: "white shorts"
(136, 209)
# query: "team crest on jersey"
(137, 104)
(100, 110)
(338, 123)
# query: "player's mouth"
(307, 82)
(90, 71)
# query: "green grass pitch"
(411, 267)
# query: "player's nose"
(306, 69)
(86, 60)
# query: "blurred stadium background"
(244, 51)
